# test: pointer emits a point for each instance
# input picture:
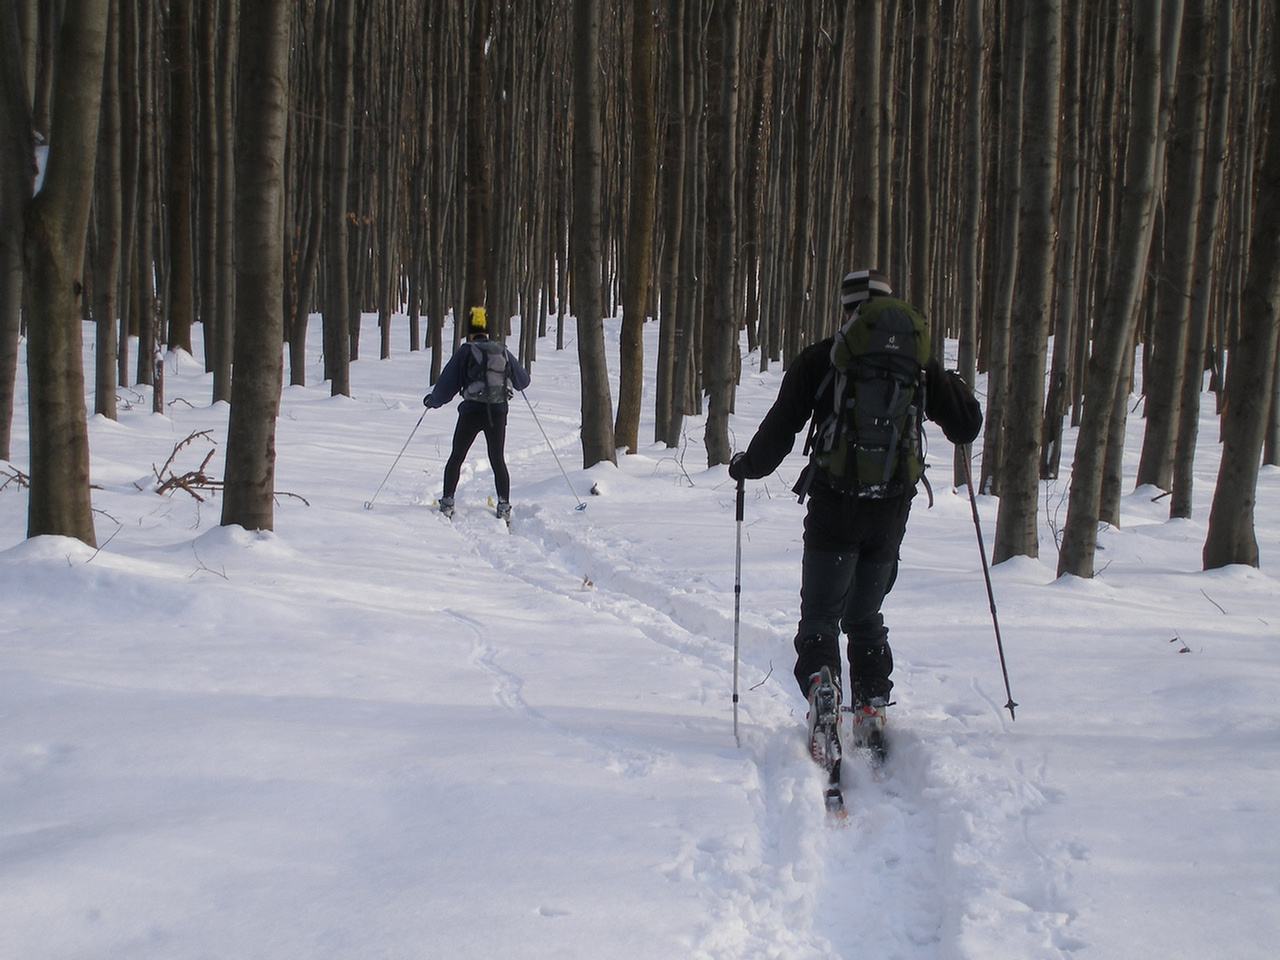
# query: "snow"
(377, 733)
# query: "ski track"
(507, 690)
(807, 890)
(910, 874)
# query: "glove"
(738, 465)
(426, 402)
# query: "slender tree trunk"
(207, 208)
(597, 405)
(1231, 537)
(17, 180)
(1162, 382)
(722, 177)
(1066, 280)
(1006, 245)
(224, 310)
(639, 271)
(971, 218)
(1016, 528)
(56, 223)
(797, 288)
(261, 121)
(181, 306)
(479, 188)
(919, 279)
(107, 199)
(865, 131)
(1114, 330)
(144, 261)
(337, 342)
(673, 174)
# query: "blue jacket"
(454, 377)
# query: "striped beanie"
(862, 285)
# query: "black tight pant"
(492, 422)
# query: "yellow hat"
(479, 323)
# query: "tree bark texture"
(1114, 331)
(597, 404)
(261, 124)
(57, 219)
(1231, 537)
(1016, 524)
(637, 281)
(17, 179)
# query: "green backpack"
(870, 442)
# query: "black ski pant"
(849, 564)
(492, 422)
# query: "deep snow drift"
(377, 733)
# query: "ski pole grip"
(742, 499)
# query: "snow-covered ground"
(377, 733)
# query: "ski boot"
(868, 727)
(504, 511)
(824, 735)
(446, 506)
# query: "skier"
(851, 539)
(485, 373)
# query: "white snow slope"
(375, 733)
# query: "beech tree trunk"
(181, 299)
(637, 280)
(1231, 537)
(722, 175)
(597, 404)
(17, 179)
(1016, 528)
(106, 232)
(57, 219)
(337, 342)
(1114, 330)
(1201, 287)
(1162, 383)
(261, 125)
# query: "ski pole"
(581, 505)
(986, 572)
(368, 504)
(737, 605)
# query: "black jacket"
(948, 402)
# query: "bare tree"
(261, 127)
(1231, 537)
(107, 201)
(57, 219)
(639, 273)
(341, 100)
(180, 143)
(723, 358)
(1162, 383)
(1016, 529)
(867, 17)
(1114, 332)
(597, 405)
(17, 177)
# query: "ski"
(824, 739)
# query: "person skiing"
(851, 533)
(485, 373)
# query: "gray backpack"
(488, 380)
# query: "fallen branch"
(14, 475)
(197, 479)
(191, 481)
